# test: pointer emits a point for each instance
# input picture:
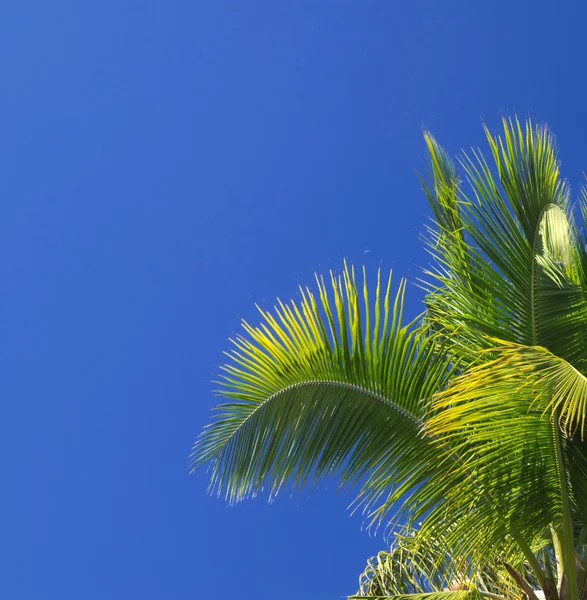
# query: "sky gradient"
(165, 165)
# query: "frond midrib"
(318, 382)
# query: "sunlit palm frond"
(493, 416)
(511, 420)
(538, 380)
(323, 386)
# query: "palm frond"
(502, 418)
(524, 276)
(322, 386)
(542, 382)
(493, 416)
(419, 565)
(528, 171)
(410, 567)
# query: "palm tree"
(464, 429)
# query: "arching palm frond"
(327, 385)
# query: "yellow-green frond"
(323, 385)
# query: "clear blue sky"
(163, 166)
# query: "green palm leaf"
(314, 395)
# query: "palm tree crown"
(466, 425)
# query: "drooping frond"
(493, 416)
(504, 420)
(540, 381)
(326, 385)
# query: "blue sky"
(164, 166)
